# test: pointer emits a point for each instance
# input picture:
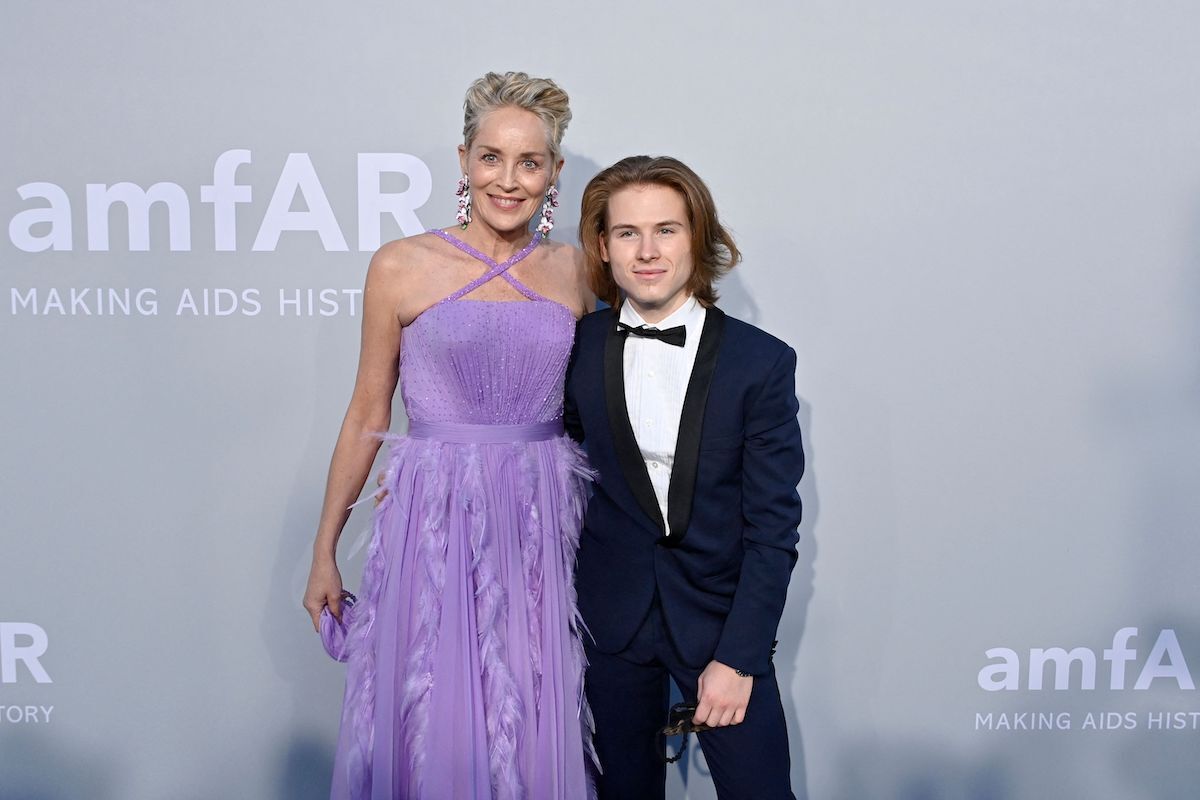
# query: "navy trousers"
(629, 694)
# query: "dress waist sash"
(485, 434)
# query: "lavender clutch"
(333, 632)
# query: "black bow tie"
(674, 336)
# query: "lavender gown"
(465, 669)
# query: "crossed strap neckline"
(495, 269)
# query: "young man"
(689, 416)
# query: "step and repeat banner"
(978, 224)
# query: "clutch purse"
(334, 631)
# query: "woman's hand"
(324, 589)
(382, 493)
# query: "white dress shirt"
(656, 380)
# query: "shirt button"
(653, 465)
(650, 374)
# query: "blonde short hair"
(540, 96)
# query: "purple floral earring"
(546, 223)
(464, 201)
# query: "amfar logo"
(49, 226)
(24, 643)
(1165, 660)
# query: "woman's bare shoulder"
(405, 263)
(407, 254)
(559, 249)
(567, 265)
(405, 268)
(563, 258)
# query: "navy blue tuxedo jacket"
(733, 508)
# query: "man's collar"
(689, 314)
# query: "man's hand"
(722, 696)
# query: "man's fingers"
(711, 711)
(716, 713)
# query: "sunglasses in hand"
(679, 723)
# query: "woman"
(464, 669)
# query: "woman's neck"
(497, 245)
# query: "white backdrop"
(976, 222)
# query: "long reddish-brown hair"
(713, 250)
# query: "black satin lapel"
(687, 444)
(629, 455)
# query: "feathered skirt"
(464, 660)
